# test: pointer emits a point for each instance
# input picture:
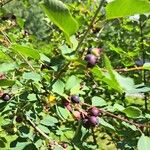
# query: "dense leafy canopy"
(74, 74)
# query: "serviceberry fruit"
(93, 121)
(5, 97)
(64, 145)
(96, 51)
(19, 119)
(94, 111)
(86, 123)
(91, 59)
(75, 99)
(77, 115)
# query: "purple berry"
(94, 111)
(5, 97)
(91, 59)
(75, 99)
(93, 120)
(19, 119)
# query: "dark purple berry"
(93, 120)
(86, 123)
(19, 119)
(5, 97)
(75, 99)
(91, 59)
(94, 111)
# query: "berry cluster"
(89, 117)
(91, 120)
(93, 56)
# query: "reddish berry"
(77, 115)
(67, 105)
(93, 121)
(94, 111)
(64, 145)
(2, 76)
(96, 51)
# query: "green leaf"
(123, 8)
(58, 87)
(132, 112)
(26, 51)
(129, 126)
(73, 85)
(108, 77)
(70, 82)
(62, 112)
(5, 67)
(44, 128)
(31, 76)
(126, 83)
(146, 66)
(59, 14)
(98, 101)
(6, 82)
(74, 42)
(32, 97)
(105, 124)
(4, 57)
(49, 120)
(118, 107)
(111, 74)
(20, 145)
(26, 132)
(58, 148)
(68, 53)
(143, 143)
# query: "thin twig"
(26, 61)
(89, 27)
(37, 129)
(52, 142)
(130, 69)
(2, 4)
(126, 69)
